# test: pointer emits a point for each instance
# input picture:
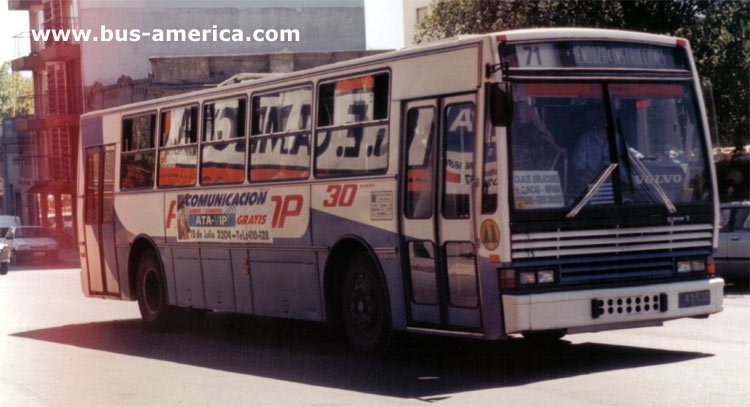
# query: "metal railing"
(25, 44)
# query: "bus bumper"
(612, 308)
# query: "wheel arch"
(140, 245)
(335, 269)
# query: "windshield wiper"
(649, 179)
(592, 190)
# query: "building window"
(178, 155)
(422, 13)
(280, 141)
(138, 152)
(353, 126)
(223, 147)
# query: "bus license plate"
(694, 298)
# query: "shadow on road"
(425, 368)
(736, 286)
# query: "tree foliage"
(16, 93)
(718, 31)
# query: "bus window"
(280, 136)
(420, 128)
(178, 161)
(353, 113)
(223, 147)
(459, 160)
(138, 152)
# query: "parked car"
(733, 258)
(6, 221)
(24, 243)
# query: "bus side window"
(280, 136)
(353, 130)
(223, 147)
(178, 157)
(138, 152)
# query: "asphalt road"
(58, 348)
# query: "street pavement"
(58, 348)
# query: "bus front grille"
(585, 257)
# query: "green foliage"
(16, 93)
(718, 31)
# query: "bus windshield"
(606, 144)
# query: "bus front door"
(99, 220)
(440, 269)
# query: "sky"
(11, 23)
(383, 22)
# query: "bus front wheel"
(152, 292)
(364, 307)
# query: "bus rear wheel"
(364, 307)
(152, 292)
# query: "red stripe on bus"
(563, 89)
(177, 176)
(647, 90)
(268, 174)
(220, 175)
(363, 82)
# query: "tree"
(718, 31)
(16, 93)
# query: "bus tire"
(365, 310)
(152, 292)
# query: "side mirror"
(499, 104)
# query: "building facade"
(18, 172)
(414, 12)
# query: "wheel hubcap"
(363, 308)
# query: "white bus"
(534, 182)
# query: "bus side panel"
(243, 294)
(440, 73)
(188, 277)
(218, 285)
(492, 317)
(168, 263)
(129, 222)
(365, 209)
(79, 224)
(285, 284)
(283, 276)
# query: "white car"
(733, 258)
(23, 243)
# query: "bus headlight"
(527, 277)
(691, 265)
(513, 278)
(683, 266)
(698, 265)
(545, 276)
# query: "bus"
(535, 183)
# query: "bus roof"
(528, 34)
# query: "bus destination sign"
(593, 54)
